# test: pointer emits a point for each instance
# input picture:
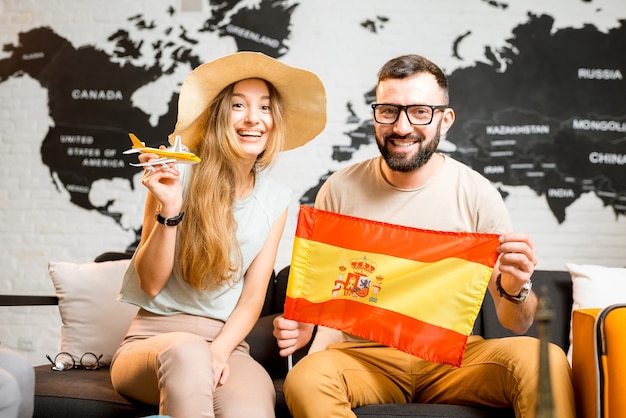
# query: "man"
(414, 185)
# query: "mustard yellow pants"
(167, 361)
(495, 372)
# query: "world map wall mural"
(537, 87)
(545, 110)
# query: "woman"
(202, 267)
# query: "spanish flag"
(413, 289)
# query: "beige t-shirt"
(457, 199)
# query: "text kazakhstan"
(517, 129)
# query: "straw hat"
(302, 93)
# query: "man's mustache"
(410, 137)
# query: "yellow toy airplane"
(175, 154)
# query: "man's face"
(406, 147)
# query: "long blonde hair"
(208, 251)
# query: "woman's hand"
(221, 370)
(163, 181)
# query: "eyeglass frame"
(66, 366)
(402, 108)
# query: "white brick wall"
(39, 224)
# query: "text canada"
(108, 95)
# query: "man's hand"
(291, 335)
(517, 261)
(516, 265)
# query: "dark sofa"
(82, 393)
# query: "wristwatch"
(523, 294)
(169, 221)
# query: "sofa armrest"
(598, 360)
(583, 361)
(27, 300)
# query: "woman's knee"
(182, 357)
(183, 348)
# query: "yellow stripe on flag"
(404, 281)
(417, 290)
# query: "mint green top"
(255, 216)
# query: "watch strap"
(520, 298)
(173, 221)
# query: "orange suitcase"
(599, 361)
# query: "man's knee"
(317, 373)
(314, 366)
(526, 352)
(297, 376)
(558, 358)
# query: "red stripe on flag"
(392, 329)
(399, 241)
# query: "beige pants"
(166, 360)
(496, 372)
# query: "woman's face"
(251, 115)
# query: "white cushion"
(93, 319)
(595, 287)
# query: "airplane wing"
(158, 161)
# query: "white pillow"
(595, 287)
(93, 319)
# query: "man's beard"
(403, 163)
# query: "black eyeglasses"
(65, 361)
(418, 114)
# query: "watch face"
(523, 294)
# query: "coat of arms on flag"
(413, 289)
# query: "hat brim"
(302, 93)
